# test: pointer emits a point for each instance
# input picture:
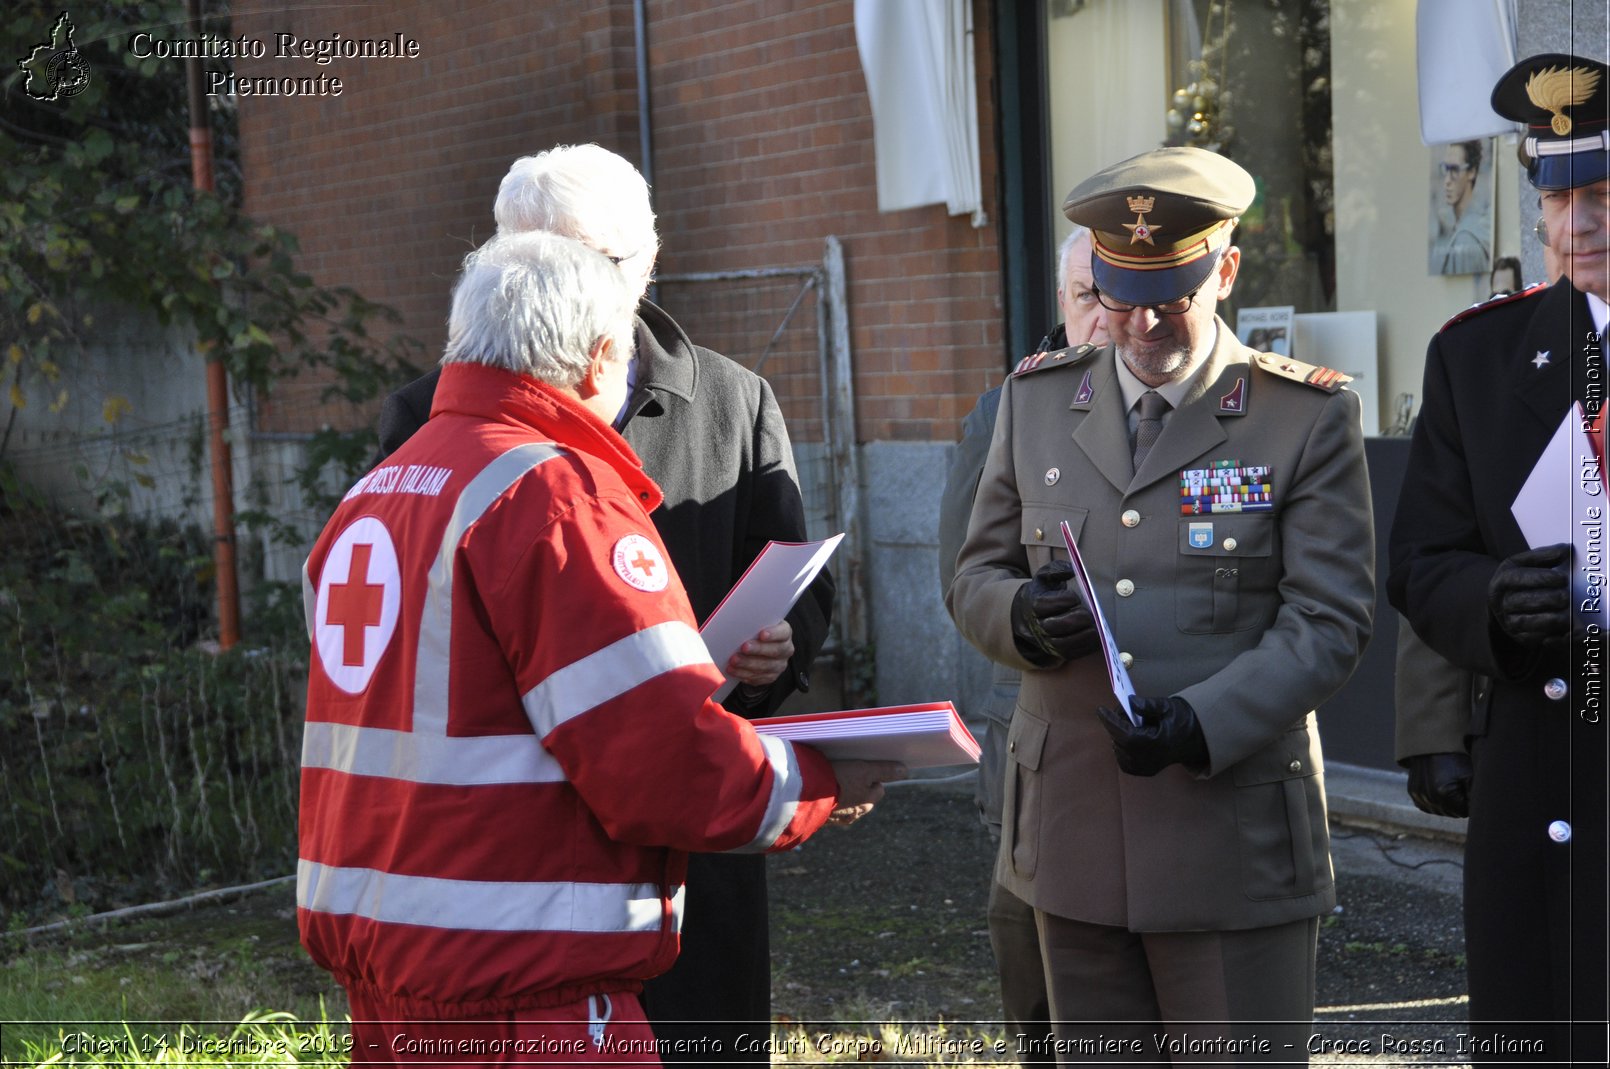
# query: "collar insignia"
(1086, 391)
(1540, 361)
(1236, 399)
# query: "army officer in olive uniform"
(1177, 866)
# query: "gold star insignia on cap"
(1140, 230)
(1557, 88)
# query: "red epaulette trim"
(1494, 303)
(1028, 363)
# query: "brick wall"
(762, 147)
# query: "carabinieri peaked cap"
(1158, 221)
(1564, 101)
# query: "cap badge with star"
(1159, 220)
(1564, 103)
(1140, 230)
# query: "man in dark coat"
(712, 437)
(1499, 381)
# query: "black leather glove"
(1050, 623)
(1439, 783)
(1168, 734)
(1530, 596)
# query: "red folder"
(920, 736)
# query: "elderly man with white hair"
(509, 739)
(711, 435)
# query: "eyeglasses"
(1178, 306)
(1451, 169)
(1541, 230)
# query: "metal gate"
(791, 326)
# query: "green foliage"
(98, 209)
(134, 763)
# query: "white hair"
(584, 192)
(537, 303)
(1065, 249)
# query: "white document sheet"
(1117, 674)
(1565, 500)
(763, 596)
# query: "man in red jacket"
(510, 743)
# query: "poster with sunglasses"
(1460, 233)
(1268, 330)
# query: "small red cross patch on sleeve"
(638, 561)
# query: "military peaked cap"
(1564, 101)
(1158, 220)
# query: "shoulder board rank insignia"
(1058, 358)
(1482, 306)
(1321, 378)
(1028, 363)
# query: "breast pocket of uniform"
(1042, 531)
(1227, 573)
(1280, 819)
(1020, 821)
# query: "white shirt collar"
(1599, 311)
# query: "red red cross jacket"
(509, 742)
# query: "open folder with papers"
(920, 736)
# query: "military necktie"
(1152, 407)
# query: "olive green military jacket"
(1254, 617)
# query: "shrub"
(134, 763)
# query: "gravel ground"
(884, 921)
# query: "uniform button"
(1560, 831)
(1125, 588)
(1295, 766)
(1130, 518)
(1229, 545)
(1555, 689)
(1052, 475)
(1126, 659)
(1039, 534)
(1011, 747)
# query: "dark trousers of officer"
(1016, 942)
(1235, 997)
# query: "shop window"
(1248, 78)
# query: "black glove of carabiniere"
(1439, 783)
(1530, 596)
(1050, 623)
(1168, 734)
